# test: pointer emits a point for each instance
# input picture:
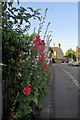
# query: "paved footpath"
(62, 98)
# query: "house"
(78, 54)
(57, 53)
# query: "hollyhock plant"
(26, 90)
(42, 41)
(46, 86)
(30, 85)
(36, 56)
(19, 64)
(42, 47)
(44, 66)
(36, 42)
(12, 113)
(50, 58)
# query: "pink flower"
(29, 84)
(50, 58)
(26, 90)
(46, 86)
(45, 78)
(12, 113)
(42, 41)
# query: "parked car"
(74, 63)
(67, 61)
(64, 61)
(70, 62)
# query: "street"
(62, 98)
(66, 91)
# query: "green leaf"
(38, 17)
(30, 8)
(35, 100)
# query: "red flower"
(42, 41)
(42, 53)
(44, 66)
(41, 62)
(41, 59)
(38, 38)
(42, 47)
(36, 56)
(12, 113)
(36, 42)
(19, 64)
(26, 90)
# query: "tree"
(70, 54)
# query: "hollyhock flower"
(38, 38)
(36, 56)
(46, 86)
(45, 78)
(42, 41)
(12, 113)
(41, 59)
(44, 66)
(36, 48)
(19, 60)
(50, 58)
(34, 42)
(42, 47)
(26, 90)
(41, 62)
(19, 64)
(42, 53)
(30, 85)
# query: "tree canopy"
(70, 54)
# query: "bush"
(27, 59)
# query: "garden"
(27, 62)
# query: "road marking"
(73, 79)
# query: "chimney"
(53, 44)
(59, 45)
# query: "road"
(63, 97)
(66, 91)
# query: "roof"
(54, 48)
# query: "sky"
(64, 22)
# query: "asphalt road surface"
(63, 97)
(66, 91)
